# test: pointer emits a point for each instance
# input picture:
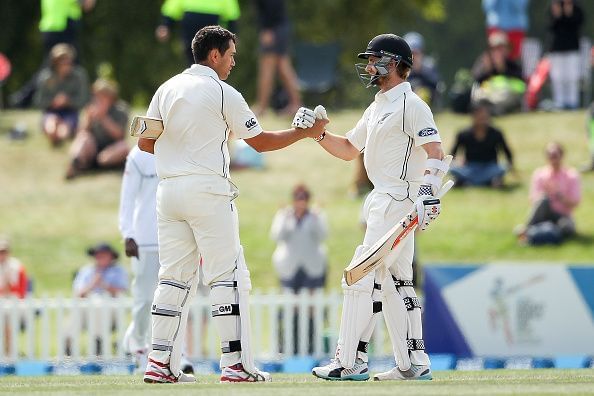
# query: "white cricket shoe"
(159, 373)
(237, 373)
(413, 373)
(335, 372)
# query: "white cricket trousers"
(565, 78)
(192, 223)
(145, 269)
(381, 212)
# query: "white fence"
(87, 329)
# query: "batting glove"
(304, 118)
(320, 112)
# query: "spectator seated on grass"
(104, 277)
(62, 90)
(481, 143)
(100, 141)
(498, 79)
(13, 283)
(554, 193)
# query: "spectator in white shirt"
(300, 256)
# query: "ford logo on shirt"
(427, 132)
(249, 124)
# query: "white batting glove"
(320, 112)
(304, 118)
(428, 204)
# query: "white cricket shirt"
(390, 135)
(138, 200)
(199, 111)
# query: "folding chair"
(316, 66)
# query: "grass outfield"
(493, 382)
(52, 221)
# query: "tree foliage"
(121, 33)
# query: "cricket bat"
(373, 257)
(146, 127)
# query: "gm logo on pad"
(251, 123)
(427, 132)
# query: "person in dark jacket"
(481, 144)
(566, 20)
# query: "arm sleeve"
(420, 125)
(505, 148)
(81, 96)
(21, 287)
(43, 95)
(457, 145)
(241, 120)
(281, 227)
(574, 194)
(358, 135)
(80, 280)
(320, 226)
(131, 182)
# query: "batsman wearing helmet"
(196, 214)
(405, 162)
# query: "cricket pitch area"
(486, 382)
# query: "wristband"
(321, 137)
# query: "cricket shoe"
(237, 373)
(186, 365)
(159, 373)
(415, 372)
(335, 372)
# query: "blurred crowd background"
(117, 38)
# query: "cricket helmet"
(387, 47)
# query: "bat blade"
(372, 257)
(146, 127)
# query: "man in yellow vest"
(194, 15)
(60, 21)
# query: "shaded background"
(121, 33)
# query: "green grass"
(494, 382)
(51, 222)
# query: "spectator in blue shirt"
(103, 277)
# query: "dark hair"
(209, 38)
(301, 191)
(483, 104)
(403, 70)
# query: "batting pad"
(396, 318)
(225, 312)
(170, 315)
(357, 313)
(414, 326)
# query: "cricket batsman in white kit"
(404, 160)
(195, 208)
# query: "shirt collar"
(394, 93)
(201, 70)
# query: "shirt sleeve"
(240, 118)
(536, 186)
(574, 189)
(81, 280)
(421, 126)
(131, 182)
(358, 135)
